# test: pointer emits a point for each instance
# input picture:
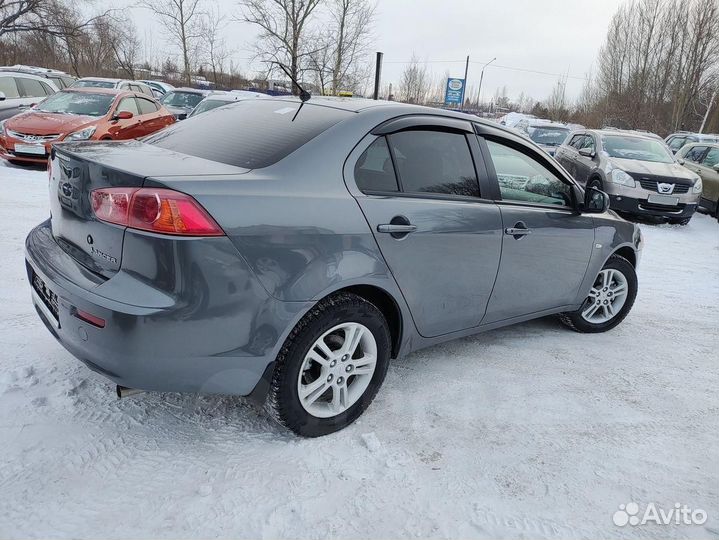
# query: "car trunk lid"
(76, 169)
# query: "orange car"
(80, 114)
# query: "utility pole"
(481, 77)
(464, 85)
(709, 108)
(377, 74)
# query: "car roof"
(98, 90)
(624, 133)
(11, 73)
(191, 90)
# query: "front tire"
(610, 299)
(331, 366)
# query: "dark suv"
(638, 172)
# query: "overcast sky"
(550, 36)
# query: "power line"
(512, 68)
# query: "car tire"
(585, 321)
(681, 221)
(304, 363)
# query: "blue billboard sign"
(454, 93)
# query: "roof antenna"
(304, 94)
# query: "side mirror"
(586, 152)
(123, 115)
(2, 96)
(182, 116)
(716, 167)
(681, 161)
(595, 201)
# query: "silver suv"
(638, 172)
(19, 91)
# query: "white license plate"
(34, 149)
(663, 199)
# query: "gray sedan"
(288, 251)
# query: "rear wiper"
(304, 94)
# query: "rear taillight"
(157, 210)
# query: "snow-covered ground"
(529, 431)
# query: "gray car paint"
(210, 314)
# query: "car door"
(568, 153)
(585, 164)
(417, 185)
(152, 120)
(709, 173)
(129, 128)
(546, 243)
(10, 105)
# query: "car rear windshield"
(637, 148)
(252, 134)
(548, 136)
(94, 84)
(184, 100)
(77, 103)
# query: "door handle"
(396, 228)
(518, 231)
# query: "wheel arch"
(386, 303)
(628, 253)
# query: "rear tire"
(330, 367)
(604, 308)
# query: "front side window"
(208, 104)
(588, 143)
(128, 104)
(576, 141)
(32, 88)
(434, 162)
(639, 148)
(523, 179)
(712, 158)
(8, 86)
(374, 170)
(77, 103)
(695, 154)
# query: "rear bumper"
(205, 330)
(641, 207)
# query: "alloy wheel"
(337, 370)
(607, 296)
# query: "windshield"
(183, 100)
(77, 103)
(94, 84)
(548, 136)
(208, 105)
(641, 149)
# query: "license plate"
(663, 199)
(34, 149)
(45, 299)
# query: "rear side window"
(374, 170)
(677, 142)
(712, 158)
(434, 162)
(32, 88)
(8, 86)
(253, 134)
(146, 106)
(695, 153)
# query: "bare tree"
(214, 46)
(415, 82)
(182, 21)
(46, 16)
(284, 26)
